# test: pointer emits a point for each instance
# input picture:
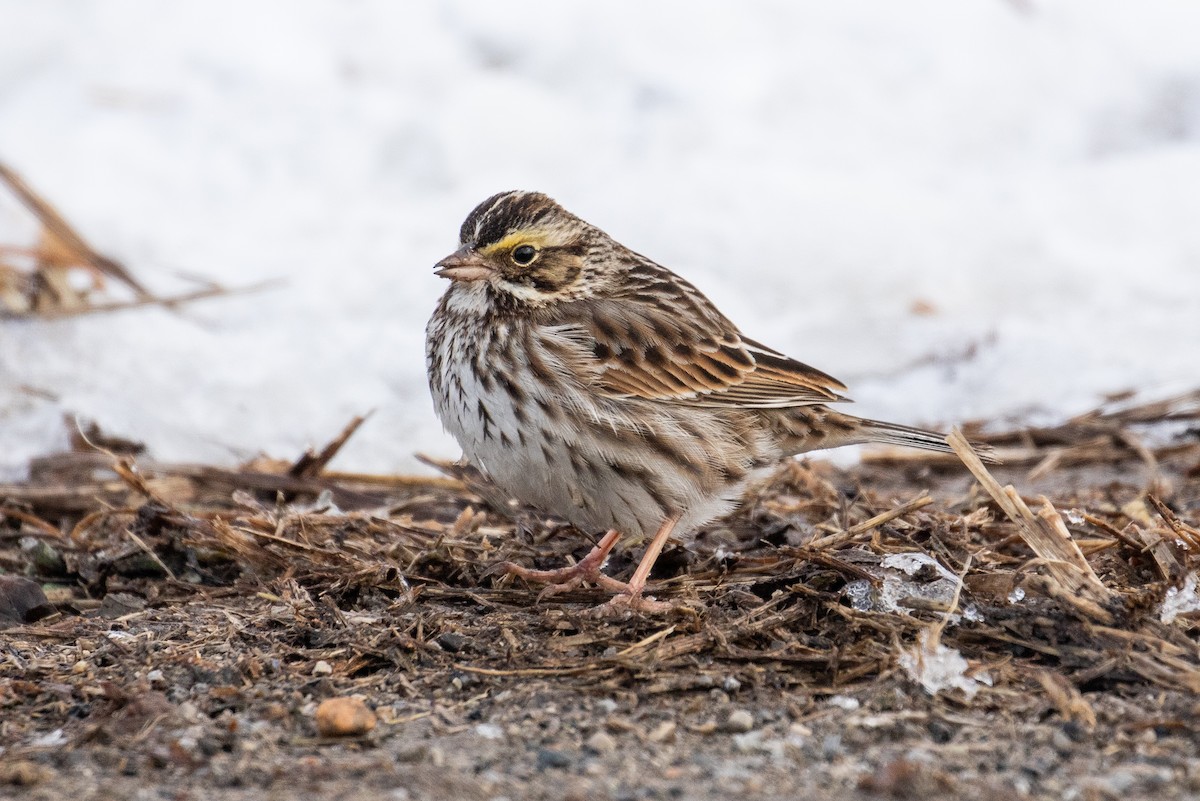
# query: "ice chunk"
(1180, 600)
(938, 668)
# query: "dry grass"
(62, 275)
(767, 585)
(313, 583)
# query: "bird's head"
(528, 251)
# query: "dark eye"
(524, 254)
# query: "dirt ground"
(843, 636)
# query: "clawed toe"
(623, 605)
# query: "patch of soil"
(891, 630)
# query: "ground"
(895, 629)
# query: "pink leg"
(567, 578)
(628, 596)
(631, 596)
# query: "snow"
(1030, 170)
(938, 668)
(891, 593)
(1180, 600)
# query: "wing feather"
(680, 349)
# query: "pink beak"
(464, 265)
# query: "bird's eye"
(524, 254)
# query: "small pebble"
(844, 702)
(601, 742)
(21, 601)
(451, 641)
(1061, 743)
(731, 684)
(344, 717)
(663, 733)
(23, 773)
(549, 758)
(751, 742)
(489, 731)
(322, 668)
(739, 721)
(707, 727)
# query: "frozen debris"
(1180, 600)
(897, 592)
(860, 595)
(938, 668)
(911, 564)
(1016, 596)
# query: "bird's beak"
(464, 265)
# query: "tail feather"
(816, 427)
(895, 434)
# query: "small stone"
(23, 773)
(738, 721)
(844, 702)
(119, 604)
(22, 601)
(322, 668)
(79, 667)
(1061, 742)
(549, 758)
(451, 641)
(750, 742)
(731, 684)
(344, 717)
(46, 560)
(489, 731)
(606, 705)
(156, 677)
(663, 733)
(601, 743)
(707, 727)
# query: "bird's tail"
(894, 434)
(815, 427)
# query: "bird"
(598, 386)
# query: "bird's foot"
(625, 603)
(572, 576)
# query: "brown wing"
(668, 343)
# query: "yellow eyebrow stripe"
(513, 240)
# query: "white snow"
(938, 668)
(892, 593)
(911, 562)
(1180, 600)
(1030, 170)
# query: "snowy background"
(1027, 173)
